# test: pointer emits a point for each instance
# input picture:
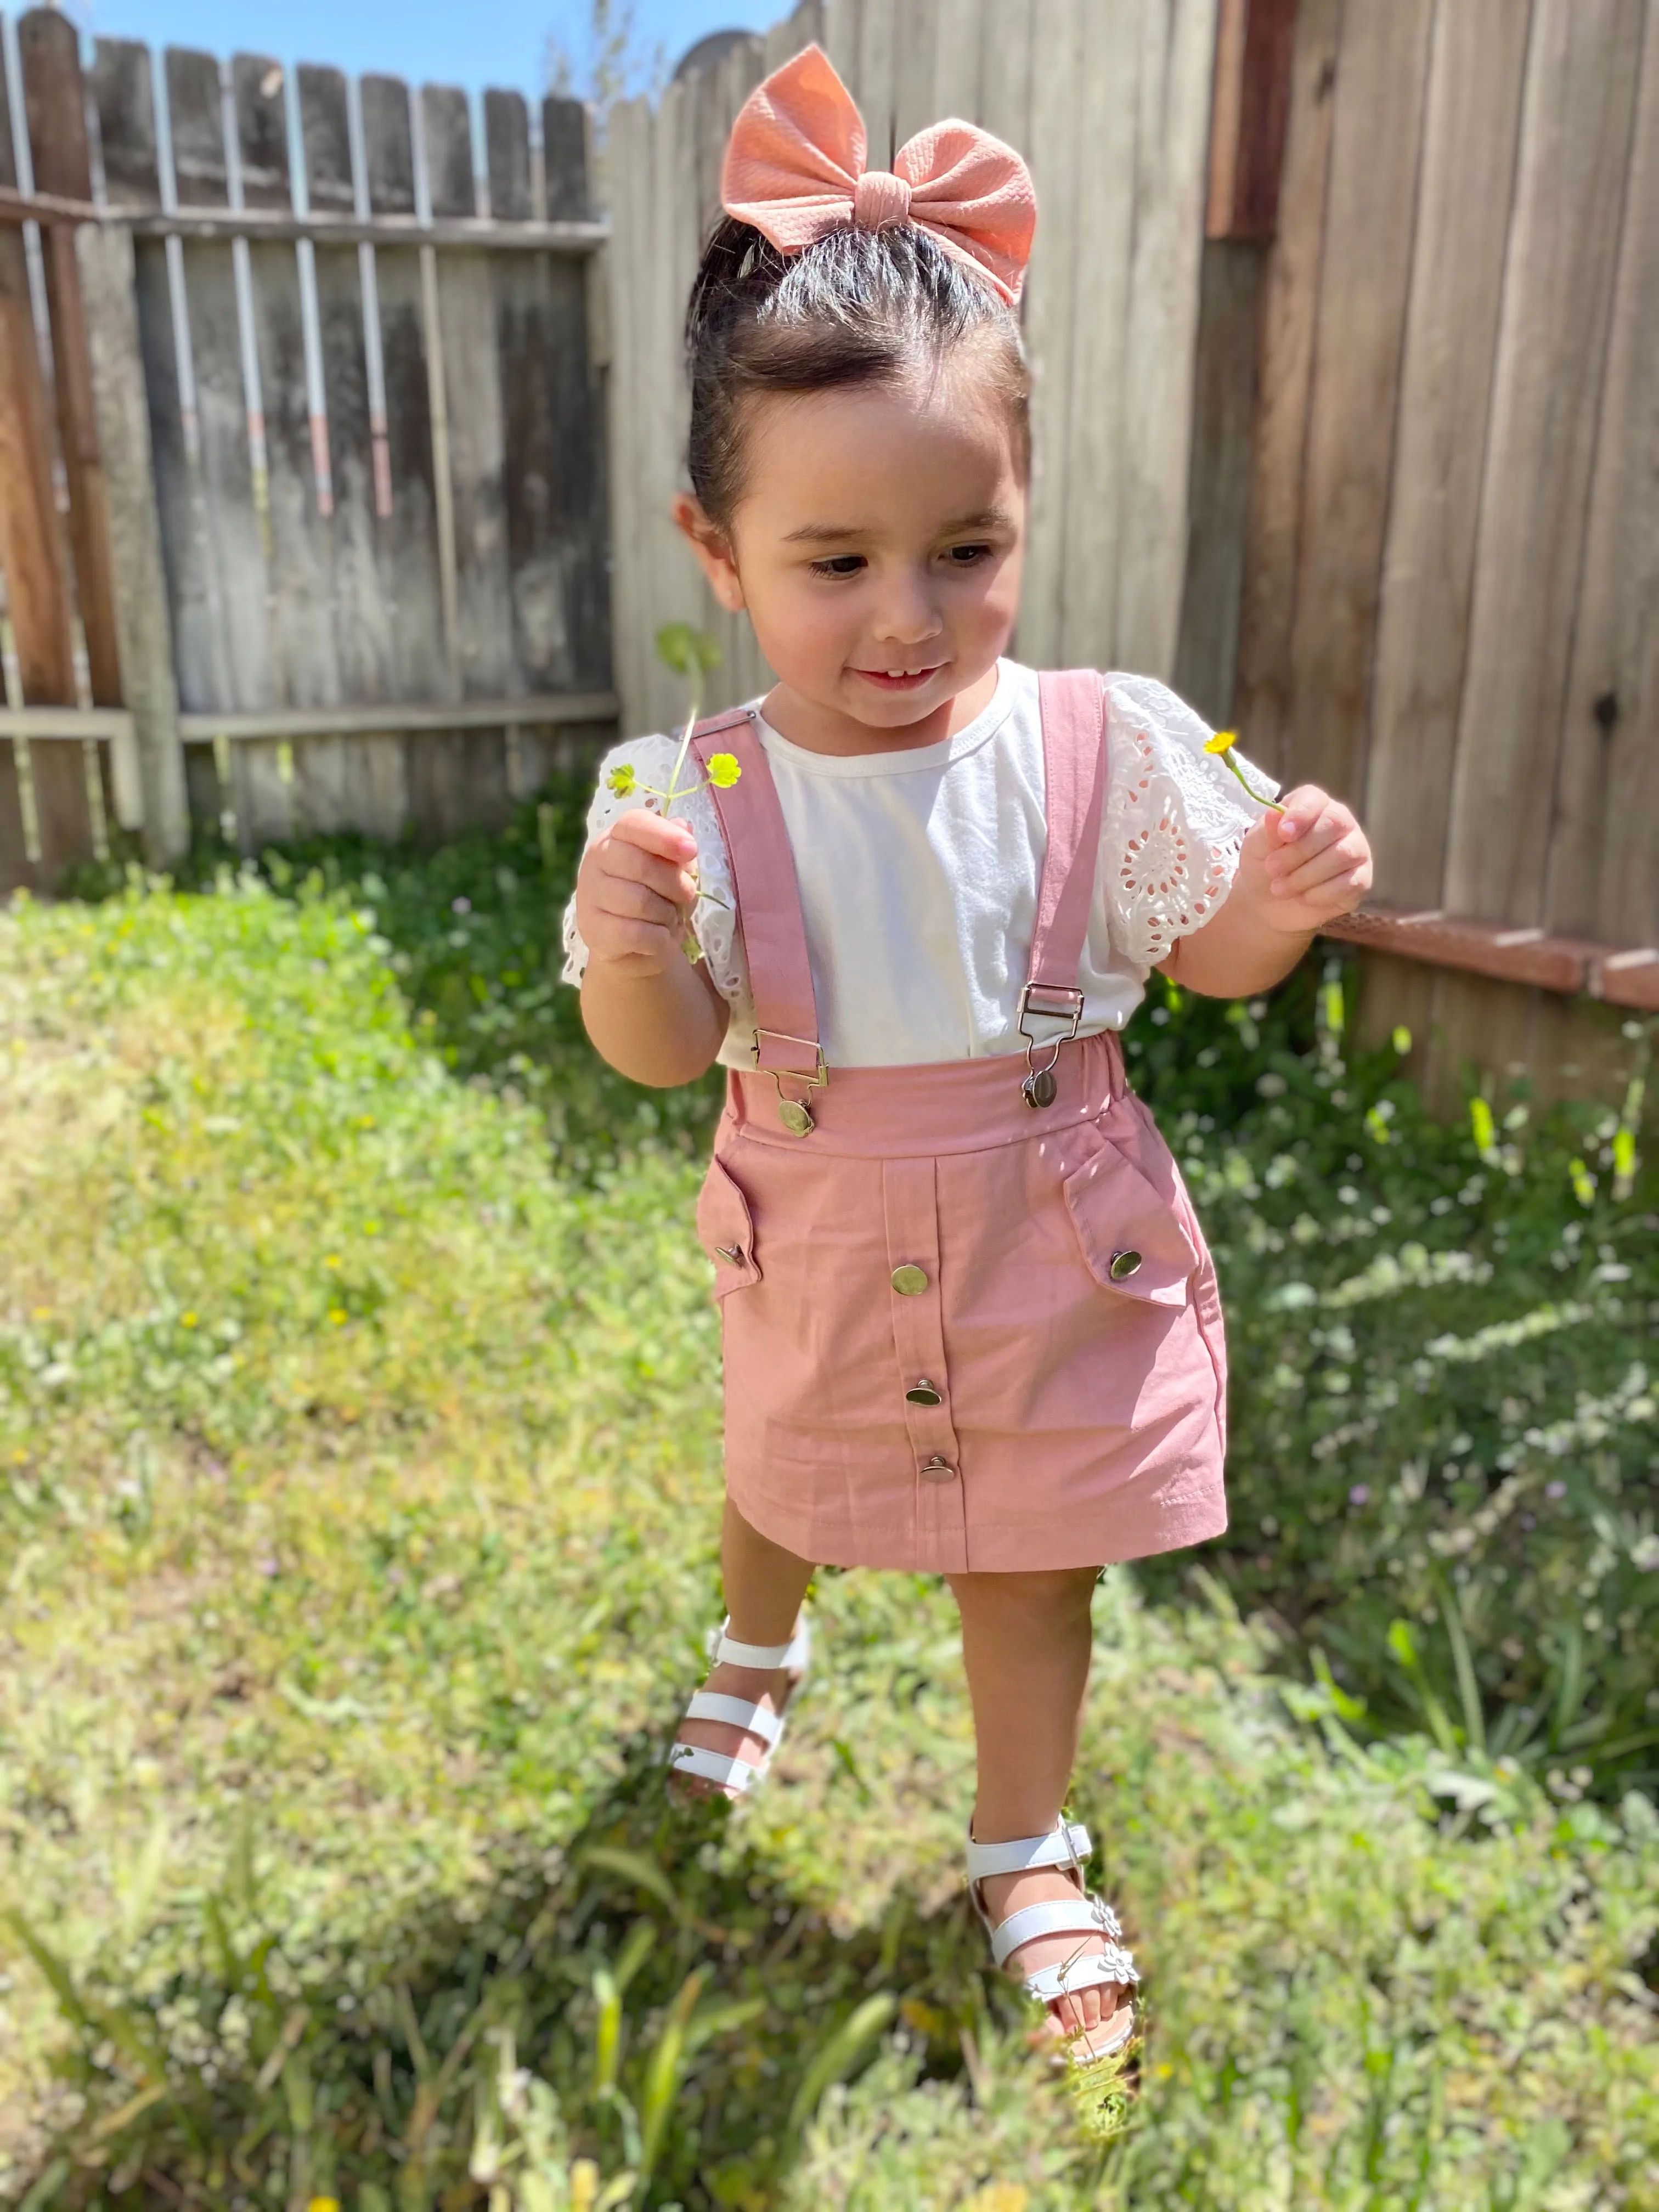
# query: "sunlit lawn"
(357, 1549)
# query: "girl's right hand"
(634, 894)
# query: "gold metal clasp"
(795, 1114)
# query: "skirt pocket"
(1133, 1240)
(725, 1229)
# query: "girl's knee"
(1043, 1593)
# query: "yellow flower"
(336, 1315)
(1223, 741)
(189, 1320)
(622, 780)
(723, 770)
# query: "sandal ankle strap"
(1066, 1844)
(728, 1650)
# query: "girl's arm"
(1297, 870)
(649, 1011)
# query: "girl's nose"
(908, 616)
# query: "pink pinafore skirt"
(970, 1320)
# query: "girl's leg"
(764, 1587)
(1025, 1641)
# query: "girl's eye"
(968, 556)
(839, 564)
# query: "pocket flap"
(1132, 1237)
(726, 1231)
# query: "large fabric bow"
(794, 168)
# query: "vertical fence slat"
(109, 290)
(565, 160)
(1604, 862)
(361, 781)
(56, 125)
(1005, 72)
(786, 37)
(31, 558)
(843, 28)
(297, 541)
(124, 87)
(506, 155)
(465, 778)
(1472, 119)
(57, 132)
(626, 180)
(224, 661)
(956, 87)
(917, 33)
(410, 548)
(1351, 418)
(126, 123)
(1057, 36)
(1177, 65)
(878, 58)
(1575, 143)
(1290, 307)
(1083, 437)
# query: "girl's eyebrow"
(823, 533)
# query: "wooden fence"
(1450, 610)
(323, 480)
(1343, 320)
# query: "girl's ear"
(713, 551)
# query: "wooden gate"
(301, 451)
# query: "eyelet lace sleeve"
(714, 922)
(1175, 819)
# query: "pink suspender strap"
(1072, 705)
(769, 900)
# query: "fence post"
(144, 640)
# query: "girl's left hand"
(1317, 861)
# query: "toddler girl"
(970, 1324)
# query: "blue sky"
(487, 42)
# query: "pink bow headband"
(795, 169)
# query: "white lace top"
(919, 872)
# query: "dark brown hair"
(861, 306)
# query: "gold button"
(732, 1252)
(937, 1470)
(795, 1117)
(909, 1281)
(1125, 1264)
(923, 1394)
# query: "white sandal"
(1066, 1844)
(735, 1775)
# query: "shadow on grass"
(644, 2014)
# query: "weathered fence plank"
(413, 565)
(226, 660)
(56, 99)
(1052, 298)
(109, 292)
(1085, 304)
(1177, 45)
(48, 828)
(1472, 119)
(1376, 132)
(1575, 144)
(1289, 319)
(1604, 879)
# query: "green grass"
(360, 1462)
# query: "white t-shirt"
(919, 872)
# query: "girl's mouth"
(901, 679)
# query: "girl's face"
(877, 548)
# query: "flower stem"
(1271, 804)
